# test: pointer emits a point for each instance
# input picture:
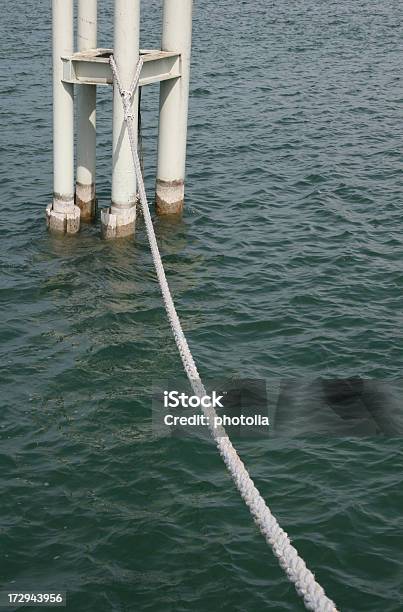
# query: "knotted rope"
(312, 593)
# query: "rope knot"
(127, 100)
(127, 95)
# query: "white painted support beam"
(92, 67)
(86, 97)
(120, 219)
(62, 214)
(174, 98)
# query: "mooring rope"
(312, 593)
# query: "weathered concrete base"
(63, 217)
(86, 201)
(118, 223)
(169, 197)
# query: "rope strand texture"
(313, 595)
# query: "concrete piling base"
(63, 218)
(169, 197)
(86, 201)
(118, 223)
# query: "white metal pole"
(62, 213)
(120, 219)
(86, 109)
(174, 100)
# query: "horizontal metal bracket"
(92, 67)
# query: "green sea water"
(287, 264)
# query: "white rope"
(312, 593)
